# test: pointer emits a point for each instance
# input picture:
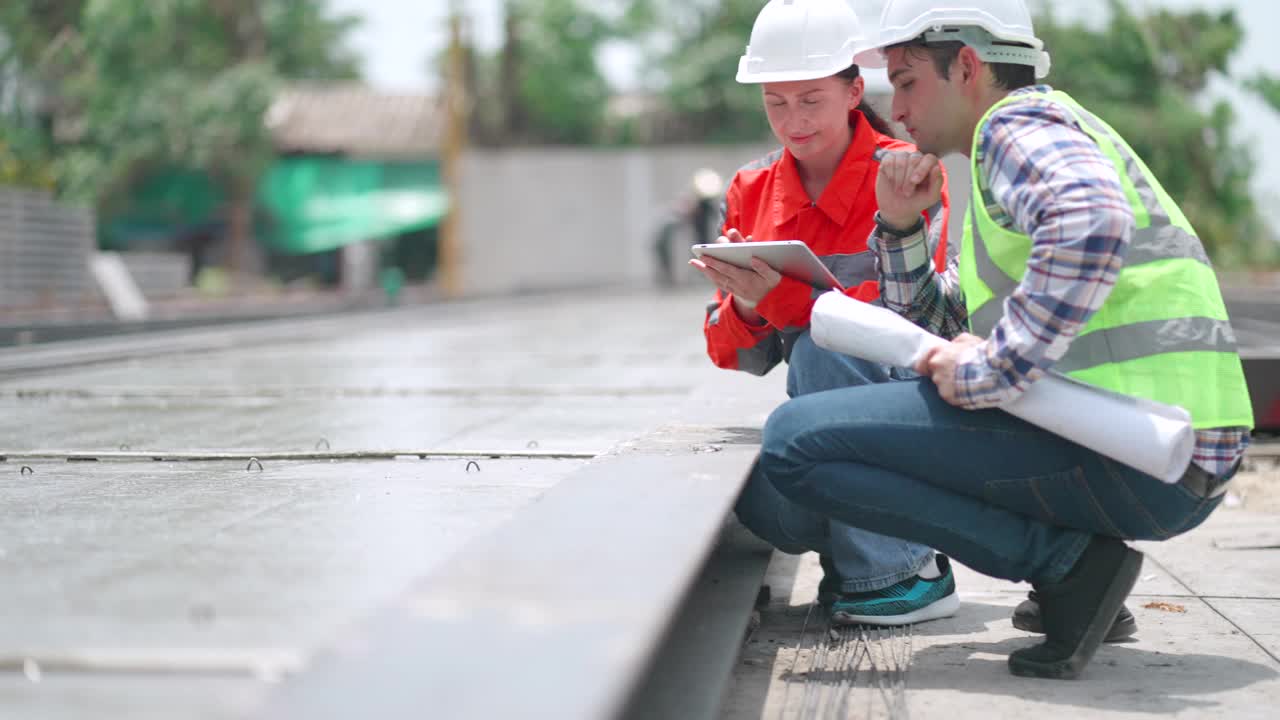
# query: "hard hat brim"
(874, 57)
(749, 78)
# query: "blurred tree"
(184, 83)
(24, 156)
(24, 153)
(694, 46)
(544, 84)
(1268, 87)
(1145, 76)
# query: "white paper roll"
(1152, 437)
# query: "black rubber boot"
(1026, 617)
(1078, 611)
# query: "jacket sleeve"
(735, 345)
(919, 276)
(732, 343)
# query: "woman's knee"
(814, 369)
(783, 425)
(771, 517)
(781, 450)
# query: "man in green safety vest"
(1074, 261)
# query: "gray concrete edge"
(641, 520)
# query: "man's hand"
(940, 363)
(748, 286)
(907, 185)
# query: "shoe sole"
(1118, 633)
(1069, 668)
(944, 607)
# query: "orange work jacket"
(767, 201)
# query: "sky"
(398, 38)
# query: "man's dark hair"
(1007, 76)
(877, 123)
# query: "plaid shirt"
(1043, 175)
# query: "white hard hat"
(800, 40)
(980, 24)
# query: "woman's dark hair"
(878, 123)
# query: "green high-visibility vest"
(1163, 333)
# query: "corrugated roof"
(355, 120)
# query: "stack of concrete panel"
(44, 250)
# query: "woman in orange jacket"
(819, 188)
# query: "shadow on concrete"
(1121, 677)
(973, 618)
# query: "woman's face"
(811, 117)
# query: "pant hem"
(884, 581)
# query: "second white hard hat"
(801, 40)
(981, 24)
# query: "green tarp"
(305, 205)
(318, 204)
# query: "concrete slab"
(247, 424)
(570, 424)
(212, 575)
(121, 557)
(574, 642)
(242, 374)
(137, 697)
(1209, 570)
(481, 423)
(1259, 619)
(688, 677)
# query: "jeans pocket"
(1153, 510)
(1202, 512)
(1062, 498)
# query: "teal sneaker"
(913, 600)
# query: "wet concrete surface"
(189, 589)
(136, 588)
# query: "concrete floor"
(185, 589)
(188, 588)
(1208, 646)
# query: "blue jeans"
(864, 560)
(998, 494)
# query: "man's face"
(931, 108)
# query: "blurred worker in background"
(694, 210)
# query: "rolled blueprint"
(1148, 436)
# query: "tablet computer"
(792, 258)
